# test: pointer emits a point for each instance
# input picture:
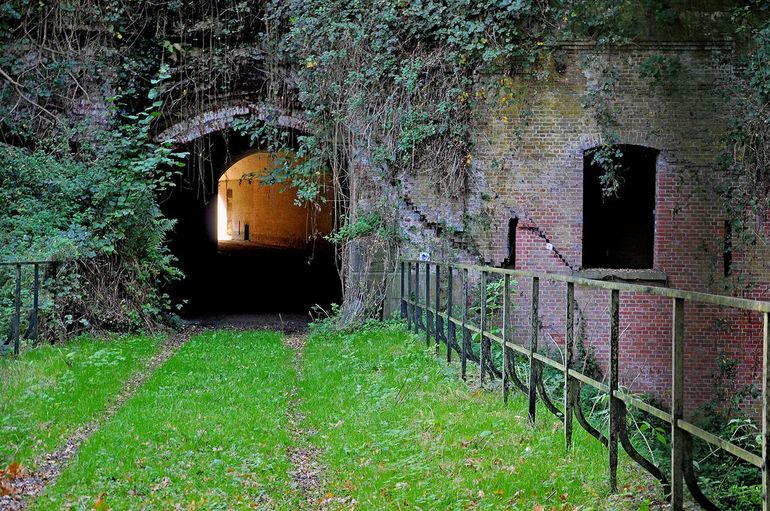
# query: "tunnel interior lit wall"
(283, 267)
(252, 211)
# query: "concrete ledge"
(651, 276)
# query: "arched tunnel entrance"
(244, 246)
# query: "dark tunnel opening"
(243, 245)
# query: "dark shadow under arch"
(239, 278)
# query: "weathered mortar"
(529, 164)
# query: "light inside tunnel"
(253, 213)
(244, 246)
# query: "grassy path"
(107, 376)
(367, 421)
(307, 472)
(50, 391)
(206, 431)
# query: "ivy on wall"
(389, 88)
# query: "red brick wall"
(529, 164)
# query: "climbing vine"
(388, 90)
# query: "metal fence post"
(533, 365)
(483, 355)
(438, 325)
(614, 401)
(409, 306)
(507, 352)
(569, 383)
(428, 315)
(417, 310)
(464, 347)
(677, 405)
(403, 301)
(765, 412)
(450, 326)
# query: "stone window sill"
(645, 276)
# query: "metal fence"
(13, 339)
(431, 308)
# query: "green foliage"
(660, 68)
(730, 482)
(96, 208)
(745, 193)
(366, 224)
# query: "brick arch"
(638, 138)
(222, 118)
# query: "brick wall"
(528, 164)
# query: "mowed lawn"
(395, 428)
(48, 392)
(401, 431)
(206, 431)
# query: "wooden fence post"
(17, 311)
(417, 310)
(533, 365)
(507, 352)
(483, 355)
(614, 401)
(569, 383)
(438, 325)
(765, 412)
(677, 405)
(464, 333)
(428, 315)
(450, 326)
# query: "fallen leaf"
(5, 488)
(99, 504)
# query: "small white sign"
(424, 256)
(549, 246)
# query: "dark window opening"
(510, 261)
(727, 261)
(619, 229)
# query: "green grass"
(46, 393)
(396, 428)
(206, 431)
(400, 431)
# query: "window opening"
(619, 229)
(510, 261)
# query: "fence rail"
(14, 335)
(418, 305)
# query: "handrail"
(696, 296)
(416, 304)
(14, 263)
